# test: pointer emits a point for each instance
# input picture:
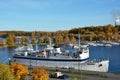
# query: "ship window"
(100, 65)
(80, 52)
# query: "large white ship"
(55, 57)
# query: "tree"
(101, 36)
(41, 40)
(4, 42)
(27, 39)
(60, 39)
(10, 40)
(82, 31)
(108, 36)
(18, 70)
(33, 38)
(23, 40)
(115, 30)
(40, 74)
(46, 40)
(5, 73)
(66, 39)
(55, 39)
(73, 40)
(90, 37)
(116, 36)
(82, 38)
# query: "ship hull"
(101, 66)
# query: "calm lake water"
(111, 53)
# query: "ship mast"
(79, 39)
(50, 41)
(36, 46)
(80, 57)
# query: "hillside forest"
(92, 33)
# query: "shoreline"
(86, 75)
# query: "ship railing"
(95, 60)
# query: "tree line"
(43, 40)
(92, 33)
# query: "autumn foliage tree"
(46, 40)
(10, 40)
(40, 74)
(18, 70)
(41, 40)
(90, 38)
(73, 40)
(33, 38)
(55, 39)
(66, 39)
(5, 73)
(27, 39)
(23, 40)
(60, 39)
(101, 37)
(4, 42)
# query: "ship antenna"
(50, 41)
(79, 38)
(36, 46)
(36, 40)
(78, 61)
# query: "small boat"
(108, 45)
(28, 47)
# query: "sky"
(53, 15)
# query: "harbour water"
(111, 53)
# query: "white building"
(117, 21)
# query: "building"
(117, 21)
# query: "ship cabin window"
(41, 56)
(100, 65)
(80, 52)
(85, 49)
(82, 49)
(32, 54)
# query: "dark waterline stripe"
(46, 59)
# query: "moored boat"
(56, 57)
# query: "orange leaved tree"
(18, 70)
(73, 40)
(66, 39)
(40, 74)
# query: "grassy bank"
(80, 75)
